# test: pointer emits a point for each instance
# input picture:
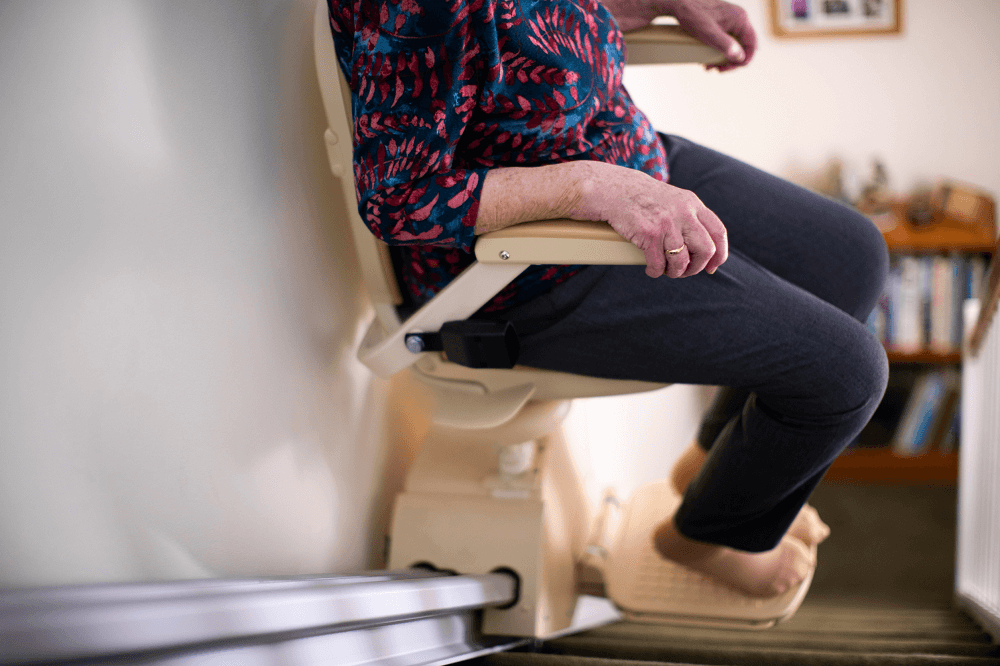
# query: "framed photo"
(832, 18)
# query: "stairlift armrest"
(557, 242)
(544, 242)
(668, 44)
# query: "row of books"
(931, 415)
(921, 307)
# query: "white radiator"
(977, 579)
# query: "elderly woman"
(473, 115)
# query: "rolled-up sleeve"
(414, 81)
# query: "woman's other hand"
(655, 217)
(719, 24)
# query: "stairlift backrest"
(373, 254)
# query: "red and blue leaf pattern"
(445, 90)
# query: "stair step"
(825, 633)
(737, 659)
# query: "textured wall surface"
(178, 391)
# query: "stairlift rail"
(406, 618)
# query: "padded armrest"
(557, 242)
(667, 44)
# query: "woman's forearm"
(672, 227)
(512, 195)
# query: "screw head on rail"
(505, 255)
(414, 343)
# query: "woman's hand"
(655, 217)
(719, 24)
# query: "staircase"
(822, 633)
(883, 595)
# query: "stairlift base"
(459, 511)
(484, 534)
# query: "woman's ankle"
(674, 546)
(687, 467)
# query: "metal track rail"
(401, 618)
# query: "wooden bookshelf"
(940, 236)
(882, 466)
(924, 356)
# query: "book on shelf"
(921, 306)
(906, 311)
(976, 277)
(929, 414)
(952, 428)
(941, 304)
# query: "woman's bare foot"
(765, 574)
(807, 526)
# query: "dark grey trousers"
(780, 325)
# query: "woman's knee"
(872, 367)
(854, 372)
(838, 373)
(873, 253)
(866, 256)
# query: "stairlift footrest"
(648, 588)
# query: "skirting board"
(983, 617)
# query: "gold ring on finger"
(677, 251)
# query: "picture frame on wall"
(836, 18)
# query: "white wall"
(625, 442)
(926, 102)
(178, 394)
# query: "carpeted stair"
(881, 597)
(838, 634)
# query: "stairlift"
(494, 487)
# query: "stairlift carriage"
(494, 487)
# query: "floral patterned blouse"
(445, 90)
